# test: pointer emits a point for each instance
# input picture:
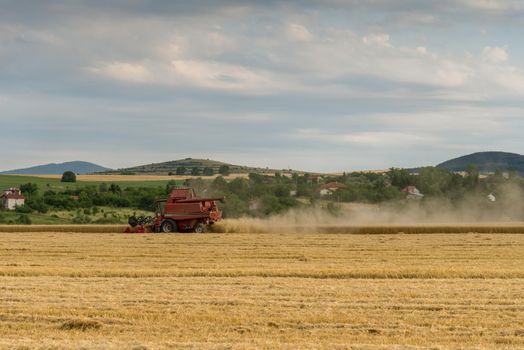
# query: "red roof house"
(330, 187)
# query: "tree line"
(263, 195)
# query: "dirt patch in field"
(82, 325)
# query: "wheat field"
(61, 290)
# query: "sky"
(325, 85)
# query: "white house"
(329, 188)
(413, 192)
(11, 199)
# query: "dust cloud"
(473, 209)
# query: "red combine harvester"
(182, 211)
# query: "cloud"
(495, 54)
(132, 72)
(219, 75)
(298, 32)
(360, 83)
(366, 138)
(377, 39)
(496, 5)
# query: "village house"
(413, 192)
(314, 179)
(11, 199)
(329, 188)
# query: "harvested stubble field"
(110, 290)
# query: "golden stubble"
(108, 290)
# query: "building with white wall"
(11, 199)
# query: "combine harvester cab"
(182, 211)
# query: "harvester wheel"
(199, 228)
(168, 226)
(132, 221)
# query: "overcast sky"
(316, 85)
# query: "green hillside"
(7, 181)
(486, 162)
(188, 163)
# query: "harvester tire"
(168, 226)
(132, 221)
(199, 228)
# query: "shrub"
(24, 209)
(37, 204)
(23, 220)
(81, 219)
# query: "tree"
(114, 188)
(471, 180)
(219, 184)
(270, 204)
(256, 178)
(181, 170)
(434, 181)
(170, 185)
(224, 170)
(195, 171)
(29, 188)
(208, 171)
(68, 176)
(37, 203)
(400, 178)
(102, 187)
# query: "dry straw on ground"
(440, 291)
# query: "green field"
(61, 217)
(40, 219)
(7, 181)
(114, 215)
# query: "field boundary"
(328, 229)
(63, 228)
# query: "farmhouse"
(413, 192)
(11, 199)
(329, 188)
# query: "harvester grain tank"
(182, 211)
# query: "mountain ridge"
(77, 166)
(486, 162)
(165, 168)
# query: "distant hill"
(171, 167)
(77, 167)
(486, 162)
